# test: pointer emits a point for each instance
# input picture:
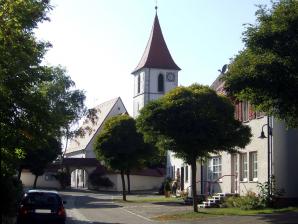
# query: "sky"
(100, 42)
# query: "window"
(139, 83)
(245, 111)
(253, 157)
(160, 87)
(214, 168)
(186, 173)
(243, 167)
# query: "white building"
(256, 163)
(81, 162)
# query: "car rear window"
(41, 199)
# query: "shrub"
(247, 202)
(267, 199)
(98, 180)
(167, 185)
(63, 177)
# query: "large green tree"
(193, 121)
(266, 71)
(37, 102)
(121, 147)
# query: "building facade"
(272, 154)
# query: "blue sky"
(100, 42)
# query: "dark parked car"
(40, 206)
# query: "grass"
(213, 212)
(134, 199)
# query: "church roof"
(103, 111)
(156, 54)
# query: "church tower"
(156, 73)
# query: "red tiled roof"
(156, 54)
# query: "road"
(96, 208)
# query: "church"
(274, 154)
(155, 74)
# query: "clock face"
(170, 77)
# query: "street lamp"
(269, 148)
(262, 136)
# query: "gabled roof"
(103, 111)
(156, 54)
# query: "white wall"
(44, 181)
(149, 86)
(285, 158)
(117, 109)
(226, 185)
(137, 182)
(256, 145)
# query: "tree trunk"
(35, 181)
(194, 185)
(128, 181)
(123, 186)
(20, 172)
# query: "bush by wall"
(247, 202)
(63, 177)
(98, 179)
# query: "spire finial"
(156, 6)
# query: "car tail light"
(61, 211)
(23, 211)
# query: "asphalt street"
(84, 207)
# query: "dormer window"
(160, 84)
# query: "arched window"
(139, 83)
(160, 86)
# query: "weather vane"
(156, 5)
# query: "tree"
(120, 146)
(266, 71)
(37, 102)
(43, 156)
(195, 121)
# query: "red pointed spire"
(156, 54)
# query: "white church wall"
(117, 109)
(167, 84)
(138, 104)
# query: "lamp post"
(269, 148)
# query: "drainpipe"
(268, 148)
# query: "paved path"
(95, 208)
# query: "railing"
(211, 184)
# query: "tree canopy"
(266, 71)
(120, 146)
(38, 102)
(194, 121)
